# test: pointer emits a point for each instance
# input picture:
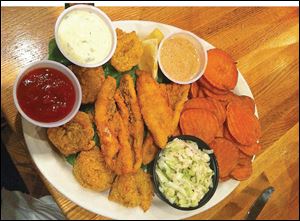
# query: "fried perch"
(125, 158)
(132, 190)
(149, 149)
(91, 171)
(124, 191)
(126, 99)
(74, 136)
(145, 189)
(155, 109)
(113, 133)
(105, 109)
(90, 80)
(128, 52)
(177, 95)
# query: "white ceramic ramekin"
(63, 69)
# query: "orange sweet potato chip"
(221, 71)
(227, 155)
(242, 124)
(201, 93)
(194, 90)
(242, 172)
(200, 123)
(204, 83)
(251, 149)
(208, 104)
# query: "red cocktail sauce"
(46, 95)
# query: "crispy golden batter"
(177, 95)
(114, 135)
(74, 136)
(150, 149)
(124, 191)
(128, 52)
(90, 80)
(132, 190)
(91, 171)
(145, 189)
(130, 111)
(154, 107)
(105, 109)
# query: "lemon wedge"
(148, 61)
(156, 34)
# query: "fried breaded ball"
(74, 136)
(90, 80)
(133, 190)
(128, 52)
(91, 171)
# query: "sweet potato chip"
(201, 93)
(220, 131)
(208, 104)
(250, 150)
(246, 102)
(200, 123)
(194, 90)
(204, 83)
(223, 179)
(221, 71)
(242, 124)
(220, 111)
(221, 97)
(242, 172)
(227, 155)
(227, 134)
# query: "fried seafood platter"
(130, 110)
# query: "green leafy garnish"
(109, 70)
(96, 137)
(161, 78)
(54, 53)
(88, 108)
(144, 168)
(72, 158)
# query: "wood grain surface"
(263, 40)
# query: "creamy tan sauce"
(84, 37)
(180, 57)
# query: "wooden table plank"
(263, 40)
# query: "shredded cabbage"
(183, 173)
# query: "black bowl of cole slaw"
(213, 165)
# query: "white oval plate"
(58, 172)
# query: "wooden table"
(264, 42)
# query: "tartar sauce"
(84, 37)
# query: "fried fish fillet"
(113, 130)
(126, 99)
(132, 190)
(74, 136)
(156, 112)
(177, 95)
(128, 52)
(105, 109)
(150, 149)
